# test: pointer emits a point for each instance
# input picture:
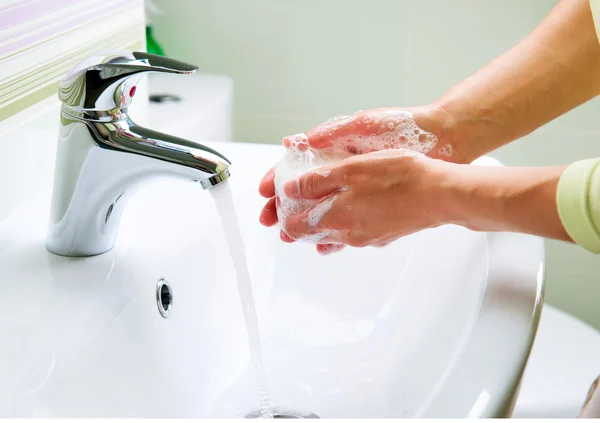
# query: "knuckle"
(293, 229)
(357, 239)
(307, 183)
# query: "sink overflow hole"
(164, 298)
(164, 98)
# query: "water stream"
(223, 198)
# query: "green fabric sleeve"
(578, 193)
(595, 7)
(578, 202)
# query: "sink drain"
(283, 413)
(164, 298)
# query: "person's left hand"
(366, 200)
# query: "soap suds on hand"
(346, 136)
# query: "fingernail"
(291, 188)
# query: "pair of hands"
(391, 193)
(383, 189)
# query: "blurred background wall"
(296, 63)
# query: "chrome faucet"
(103, 156)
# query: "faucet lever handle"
(106, 82)
(146, 62)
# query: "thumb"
(313, 185)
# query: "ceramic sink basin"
(438, 324)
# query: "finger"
(333, 237)
(326, 249)
(298, 141)
(285, 237)
(345, 132)
(297, 227)
(383, 241)
(268, 215)
(319, 139)
(266, 187)
(362, 132)
(326, 134)
(313, 185)
(312, 224)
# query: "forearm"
(487, 198)
(553, 70)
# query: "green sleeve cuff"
(595, 8)
(573, 199)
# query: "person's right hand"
(423, 129)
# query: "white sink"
(439, 324)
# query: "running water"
(225, 206)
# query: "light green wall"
(298, 62)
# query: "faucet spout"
(205, 165)
(103, 157)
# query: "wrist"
(455, 195)
(448, 191)
(453, 146)
(501, 199)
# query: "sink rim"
(496, 400)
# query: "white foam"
(324, 172)
(320, 237)
(292, 165)
(317, 212)
(446, 150)
(397, 129)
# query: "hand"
(368, 131)
(376, 198)
(368, 200)
(422, 129)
